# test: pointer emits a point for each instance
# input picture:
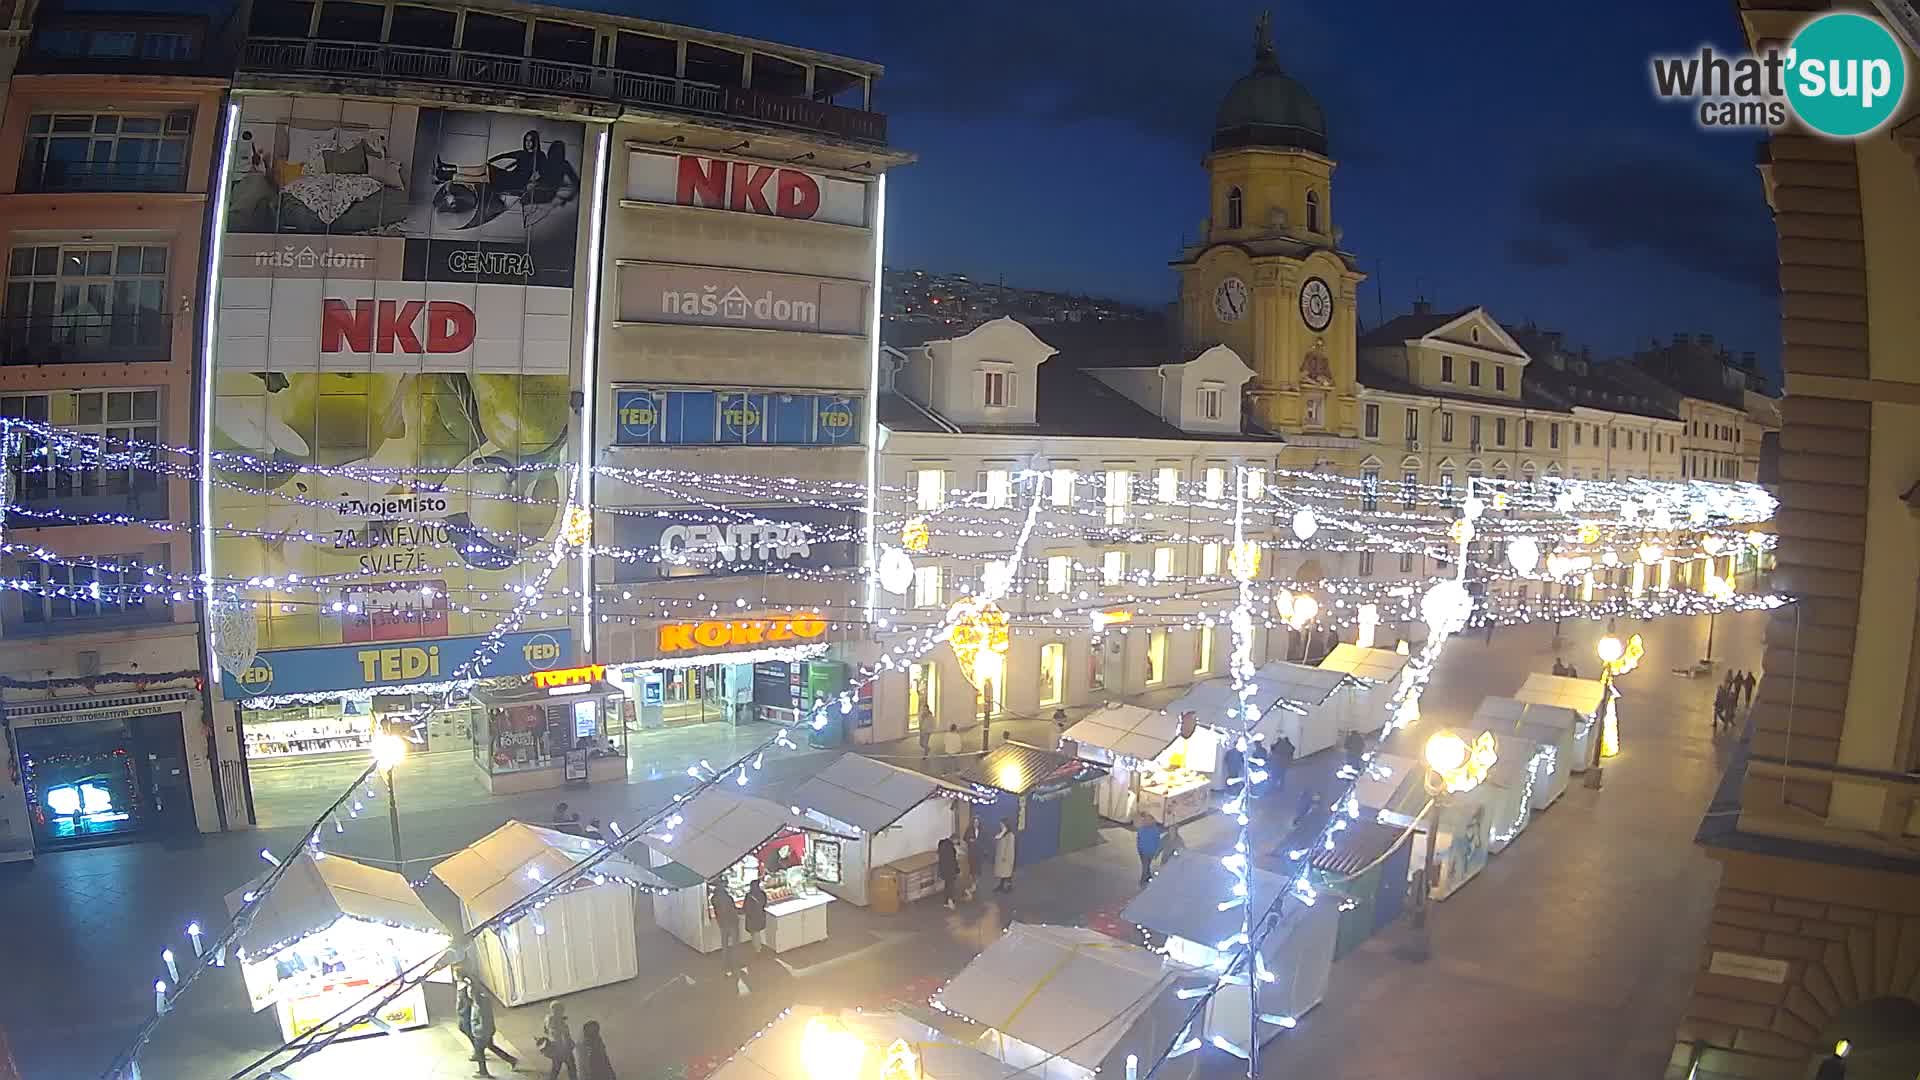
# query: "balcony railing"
(144, 337)
(374, 60)
(63, 176)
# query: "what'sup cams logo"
(1843, 75)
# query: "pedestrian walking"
(950, 870)
(1003, 853)
(1750, 681)
(594, 1064)
(727, 917)
(1283, 751)
(1147, 835)
(1355, 745)
(473, 1004)
(753, 916)
(1060, 724)
(953, 745)
(976, 855)
(557, 1043)
(1719, 706)
(926, 734)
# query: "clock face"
(1316, 304)
(1230, 300)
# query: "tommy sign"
(715, 296)
(744, 187)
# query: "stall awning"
(1583, 696)
(718, 828)
(1357, 847)
(1210, 702)
(1393, 783)
(1529, 720)
(498, 870)
(1017, 768)
(780, 1052)
(1374, 665)
(316, 892)
(1300, 684)
(1183, 900)
(1128, 730)
(1066, 990)
(865, 793)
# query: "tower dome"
(1267, 107)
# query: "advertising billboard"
(707, 417)
(721, 296)
(395, 335)
(761, 539)
(745, 187)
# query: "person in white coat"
(1003, 853)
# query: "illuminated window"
(1210, 559)
(926, 587)
(998, 486)
(1166, 484)
(1119, 494)
(1053, 672)
(1216, 482)
(1203, 649)
(1256, 483)
(1059, 573)
(1162, 563)
(1113, 567)
(1061, 489)
(1156, 657)
(923, 695)
(930, 489)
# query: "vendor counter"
(796, 922)
(1175, 796)
(791, 923)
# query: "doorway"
(101, 781)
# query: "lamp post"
(390, 750)
(1454, 766)
(1610, 650)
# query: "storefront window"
(1203, 650)
(1156, 656)
(923, 695)
(1053, 667)
(530, 728)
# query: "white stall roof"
(1299, 683)
(776, 1054)
(718, 828)
(1387, 781)
(1183, 900)
(1210, 700)
(316, 892)
(1128, 730)
(1065, 990)
(1376, 665)
(865, 793)
(1528, 719)
(1581, 695)
(498, 870)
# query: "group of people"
(585, 1059)
(1562, 668)
(741, 922)
(1735, 693)
(567, 820)
(1002, 845)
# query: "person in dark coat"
(1749, 681)
(1719, 706)
(727, 917)
(1282, 755)
(1147, 834)
(950, 870)
(753, 915)
(474, 1006)
(594, 1064)
(976, 854)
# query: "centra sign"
(734, 633)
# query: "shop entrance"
(104, 780)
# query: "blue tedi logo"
(1843, 75)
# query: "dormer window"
(1210, 401)
(1473, 334)
(1313, 211)
(1236, 208)
(996, 388)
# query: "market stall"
(1583, 696)
(582, 937)
(1550, 727)
(807, 1042)
(900, 817)
(1367, 870)
(328, 935)
(1314, 707)
(1067, 1003)
(1161, 764)
(1048, 799)
(1392, 791)
(1376, 676)
(548, 730)
(735, 840)
(1504, 794)
(1183, 903)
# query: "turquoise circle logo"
(1846, 74)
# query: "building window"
(997, 392)
(1596, 435)
(102, 303)
(1366, 564)
(1210, 559)
(930, 490)
(998, 486)
(1446, 484)
(923, 696)
(1113, 567)
(107, 151)
(1216, 482)
(1203, 649)
(1059, 574)
(1473, 431)
(1210, 403)
(1613, 438)
(1313, 211)
(1372, 415)
(1406, 562)
(112, 589)
(1166, 484)
(1156, 657)
(1553, 436)
(1119, 494)
(1446, 369)
(1643, 440)
(1370, 488)
(1499, 376)
(1256, 483)
(1473, 373)
(1409, 489)
(1499, 431)
(1162, 563)
(108, 419)
(1236, 208)
(1577, 429)
(1061, 490)
(1316, 410)
(926, 587)
(1053, 672)
(1413, 425)
(1526, 433)
(1446, 427)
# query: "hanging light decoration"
(1523, 554)
(895, 570)
(1304, 525)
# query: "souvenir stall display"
(1314, 709)
(1045, 797)
(1162, 762)
(1368, 870)
(549, 730)
(807, 1042)
(737, 840)
(1067, 1003)
(1584, 697)
(328, 935)
(1550, 727)
(900, 817)
(1182, 903)
(579, 938)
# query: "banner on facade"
(744, 187)
(721, 296)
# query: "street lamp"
(390, 750)
(1617, 657)
(1454, 767)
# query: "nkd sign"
(745, 187)
(395, 326)
(715, 296)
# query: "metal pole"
(1711, 617)
(393, 820)
(1599, 728)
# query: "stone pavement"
(1569, 956)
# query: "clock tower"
(1267, 278)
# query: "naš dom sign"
(735, 633)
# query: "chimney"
(1423, 306)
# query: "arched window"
(1236, 208)
(1313, 211)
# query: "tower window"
(1236, 208)
(1313, 211)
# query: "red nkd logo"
(737, 185)
(394, 326)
